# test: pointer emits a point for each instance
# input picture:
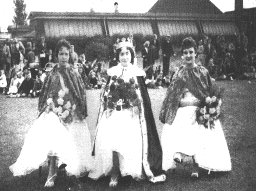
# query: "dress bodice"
(188, 99)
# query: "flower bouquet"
(121, 94)
(61, 106)
(209, 108)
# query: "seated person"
(26, 88)
(3, 82)
(15, 84)
(38, 83)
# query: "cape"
(72, 81)
(152, 151)
(197, 80)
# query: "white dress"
(49, 137)
(185, 135)
(123, 132)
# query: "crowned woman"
(126, 141)
(188, 131)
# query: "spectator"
(3, 82)
(15, 84)
(156, 44)
(26, 87)
(167, 51)
(201, 53)
(87, 67)
(41, 50)
(6, 57)
(73, 55)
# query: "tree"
(20, 12)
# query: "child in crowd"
(3, 82)
(15, 84)
(26, 87)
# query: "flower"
(203, 110)
(60, 101)
(208, 100)
(214, 98)
(67, 105)
(212, 110)
(74, 107)
(49, 101)
(207, 116)
(61, 93)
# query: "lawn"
(239, 124)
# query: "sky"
(125, 6)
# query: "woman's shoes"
(177, 158)
(50, 181)
(113, 182)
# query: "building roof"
(185, 6)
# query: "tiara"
(124, 43)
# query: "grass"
(239, 125)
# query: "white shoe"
(194, 175)
(113, 182)
(50, 181)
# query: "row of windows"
(58, 28)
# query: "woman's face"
(63, 55)
(125, 56)
(189, 56)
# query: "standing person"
(6, 56)
(182, 135)
(126, 140)
(155, 42)
(41, 50)
(60, 133)
(73, 55)
(167, 51)
(148, 59)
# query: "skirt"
(185, 135)
(49, 137)
(119, 132)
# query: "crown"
(125, 43)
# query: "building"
(166, 17)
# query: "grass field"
(239, 124)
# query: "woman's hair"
(131, 51)
(62, 43)
(187, 43)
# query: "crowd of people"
(126, 141)
(23, 68)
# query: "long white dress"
(124, 132)
(185, 135)
(50, 136)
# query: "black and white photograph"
(146, 95)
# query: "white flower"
(61, 93)
(214, 98)
(59, 109)
(60, 101)
(49, 101)
(208, 100)
(64, 115)
(202, 110)
(207, 116)
(73, 107)
(67, 105)
(212, 110)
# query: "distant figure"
(167, 51)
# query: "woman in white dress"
(182, 135)
(60, 133)
(126, 140)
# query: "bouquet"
(61, 106)
(209, 108)
(121, 94)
